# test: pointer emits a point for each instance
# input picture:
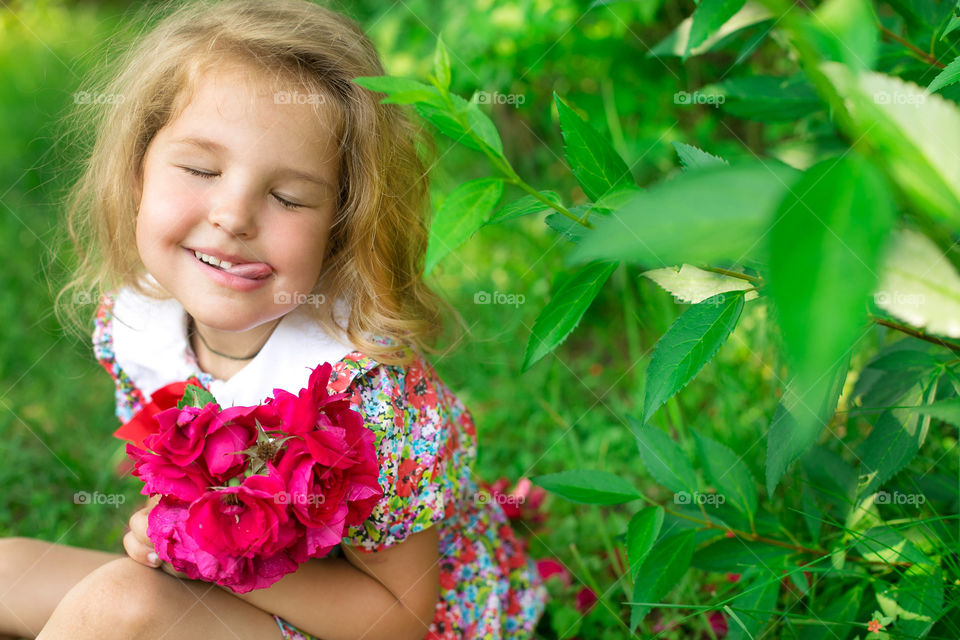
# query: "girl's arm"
(390, 594)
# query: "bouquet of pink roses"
(249, 493)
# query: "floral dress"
(426, 446)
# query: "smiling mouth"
(248, 270)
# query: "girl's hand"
(136, 542)
(138, 545)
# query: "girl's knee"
(122, 596)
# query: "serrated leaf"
(588, 487)
(727, 472)
(693, 158)
(831, 478)
(660, 572)
(689, 343)
(663, 458)
(562, 314)
(715, 214)
(708, 17)
(906, 127)
(948, 76)
(692, 285)
(596, 166)
(642, 532)
(464, 210)
(451, 126)
(947, 410)
(524, 206)
(919, 285)
(675, 44)
(195, 396)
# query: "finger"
(138, 525)
(140, 552)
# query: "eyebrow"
(216, 147)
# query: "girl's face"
(244, 176)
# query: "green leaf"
(830, 476)
(894, 440)
(401, 90)
(800, 418)
(642, 532)
(568, 229)
(735, 555)
(727, 472)
(906, 127)
(715, 214)
(477, 122)
(919, 285)
(708, 17)
(919, 596)
(195, 396)
(946, 410)
(588, 487)
(675, 44)
(845, 31)
(692, 340)
(754, 606)
(885, 544)
(841, 608)
(824, 252)
(692, 285)
(464, 210)
(441, 64)
(767, 98)
(693, 158)
(562, 314)
(524, 206)
(661, 571)
(663, 458)
(596, 166)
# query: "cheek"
(304, 246)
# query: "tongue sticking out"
(251, 270)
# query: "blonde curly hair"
(377, 244)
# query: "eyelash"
(203, 174)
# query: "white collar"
(150, 346)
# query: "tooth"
(225, 265)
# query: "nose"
(234, 213)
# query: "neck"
(222, 353)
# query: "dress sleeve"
(129, 398)
(400, 405)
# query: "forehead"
(242, 104)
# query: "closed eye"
(206, 175)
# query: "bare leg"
(125, 600)
(34, 577)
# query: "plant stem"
(916, 334)
(923, 55)
(734, 274)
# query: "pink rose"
(244, 520)
(181, 435)
(162, 476)
(233, 431)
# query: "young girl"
(252, 214)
